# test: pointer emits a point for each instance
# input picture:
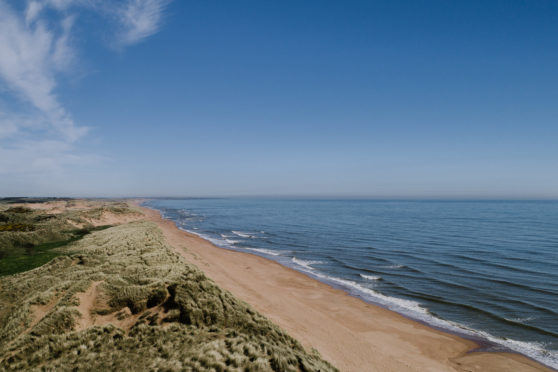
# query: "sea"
(487, 270)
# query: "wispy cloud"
(140, 19)
(42, 156)
(7, 127)
(30, 56)
(36, 48)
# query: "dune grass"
(28, 236)
(149, 310)
(30, 256)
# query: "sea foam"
(243, 234)
(264, 251)
(305, 264)
(370, 277)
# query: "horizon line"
(300, 196)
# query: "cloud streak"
(141, 19)
(36, 48)
(31, 55)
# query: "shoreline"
(347, 331)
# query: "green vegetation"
(31, 256)
(28, 237)
(121, 299)
(16, 227)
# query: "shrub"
(19, 210)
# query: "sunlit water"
(487, 269)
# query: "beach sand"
(348, 332)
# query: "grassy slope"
(28, 238)
(177, 318)
(32, 256)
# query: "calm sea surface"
(485, 269)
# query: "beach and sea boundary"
(347, 331)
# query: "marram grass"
(28, 237)
(151, 311)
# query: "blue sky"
(424, 99)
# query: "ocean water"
(485, 269)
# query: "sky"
(380, 99)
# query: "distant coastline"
(458, 355)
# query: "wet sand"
(350, 333)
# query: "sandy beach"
(278, 186)
(348, 332)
